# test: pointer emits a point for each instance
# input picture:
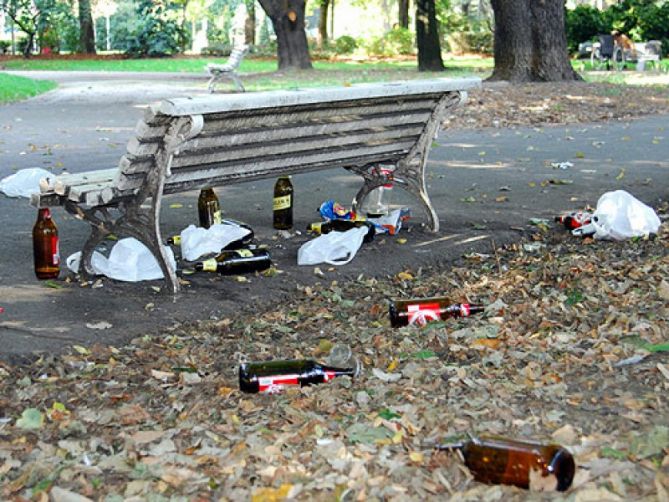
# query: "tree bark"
(323, 23)
(531, 41)
(287, 17)
(403, 14)
(86, 33)
(427, 37)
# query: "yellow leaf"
(579, 155)
(621, 174)
(402, 240)
(531, 184)
(271, 494)
(176, 205)
(416, 456)
(81, 350)
(481, 154)
(405, 276)
(502, 198)
(491, 343)
(397, 438)
(393, 364)
(626, 138)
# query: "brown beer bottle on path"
(45, 246)
(208, 208)
(325, 227)
(497, 460)
(282, 205)
(420, 311)
(237, 261)
(273, 376)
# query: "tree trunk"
(323, 23)
(86, 33)
(287, 18)
(427, 37)
(403, 14)
(531, 41)
(250, 24)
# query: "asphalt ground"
(485, 183)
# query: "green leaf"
(657, 347)
(608, 452)
(31, 418)
(651, 443)
(574, 296)
(361, 433)
(52, 284)
(425, 354)
(388, 414)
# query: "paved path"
(86, 122)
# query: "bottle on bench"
(208, 208)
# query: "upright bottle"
(237, 261)
(419, 311)
(208, 208)
(282, 205)
(378, 200)
(45, 246)
(273, 376)
(324, 227)
(499, 460)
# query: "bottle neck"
(44, 213)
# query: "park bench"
(190, 143)
(227, 70)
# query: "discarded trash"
(420, 311)
(24, 182)
(196, 242)
(325, 227)
(282, 205)
(208, 208)
(392, 222)
(497, 460)
(377, 203)
(574, 219)
(620, 216)
(335, 248)
(331, 210)
(129, 260)
(562, 165)
(45, 246)
(237, 262)
(273, 376)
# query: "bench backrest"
(236, 56)
(238, 137)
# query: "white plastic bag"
(198, 241)
(24, 182)
(129, 260)
(334, 248)
(620, 216)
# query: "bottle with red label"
(493, 459)
(274, 376)
(575, 219)
(45, 246)
(420, 311)
(377, 204)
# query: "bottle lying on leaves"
(497, 460)
(419, 311)
(237, 261)
(273, 376)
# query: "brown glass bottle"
(499, 460)
(282, 206)
(208, 208)
(324, 227)
(273, 376)
(237, 261)
(419, 311)
(45, 246)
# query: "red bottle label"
(55, 256)
(465, 310)
(272, 384)
(420, 314)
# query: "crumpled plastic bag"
(197, 241)
(129, 260)
(24, 182)
(620, 216)
(334, 248)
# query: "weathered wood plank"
(79, 193)
(64, 182)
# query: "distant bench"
(191, 143)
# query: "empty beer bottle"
(45, 246)
(237, 261)
(324, 227)
(499, 460)
(282, 205)
(208, 208)
(420, 311)
(378, 200)
(273, 376)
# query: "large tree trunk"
(427, 37)
(323, 23)
(531, 41)
(287, 18)
(403, 14)
(86, 33)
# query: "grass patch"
(14, 88)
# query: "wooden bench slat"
(64, 182)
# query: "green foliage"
(217, 49)
(584, 23)
(345, 45)
(154, 32)
(5, 46)
(466, 36)
(394, 42)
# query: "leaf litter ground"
(573, 350)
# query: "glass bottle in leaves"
(208, 208)
(498, 460)
(273, 376)
(237, 262)
(420, 311)
(46, 246)
(282, 205)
